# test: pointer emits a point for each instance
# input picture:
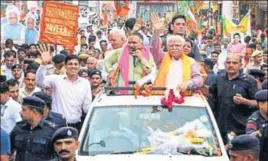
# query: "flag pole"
(221, 19)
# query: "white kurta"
(175, 74)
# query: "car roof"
(196, 100)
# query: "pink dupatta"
(124, 62)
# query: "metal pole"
(209, 6)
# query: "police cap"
(64, 133)
(33, 102)
(16, 66)
(245, 142)
(95, 72)
(44, 96)
(261, 95)
(59, 58)
(256, 53)
(83, 56)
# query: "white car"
(122, 128)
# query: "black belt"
(74, 124)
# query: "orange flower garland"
(147, 91)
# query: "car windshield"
(149, 130)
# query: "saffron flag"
(121, 8)
(190, 19)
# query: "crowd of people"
(46, 93)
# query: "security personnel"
(233, 93)
(258, 75)
(96, 82)
(59, 60)
(18, 74)
(65, 143)
(32, 138)
(258, 122)
(245, 147)
(54, 118)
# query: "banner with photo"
(18, 25)
(59, 24)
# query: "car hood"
(125, 157)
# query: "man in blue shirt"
(53, 117)
(5, 146)
(31, 34)
(209, 64)
(13, 30)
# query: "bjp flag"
(121, 8)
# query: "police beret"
(16, 66)
(265, 85)
(256, 53)
(32, 54)
(245, 142)
(33, 102)
(65, 132)
(256, 72)
(3, 78)
(59, 58)
(262, 95)
(27, 61)
(209, 62)
(95, 72)
(44, 96)
(24, 46)
(22, 49)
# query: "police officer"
(245, 147)
(32, 138)
(55, 118)
(59, 60)
(257, 124)
(65, 143)
(258, 75)
(233, 93)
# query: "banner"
(59, 24)
(11, 28)
(105, 12)
(121, 8)
(244, 26)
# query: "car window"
(149, 130)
